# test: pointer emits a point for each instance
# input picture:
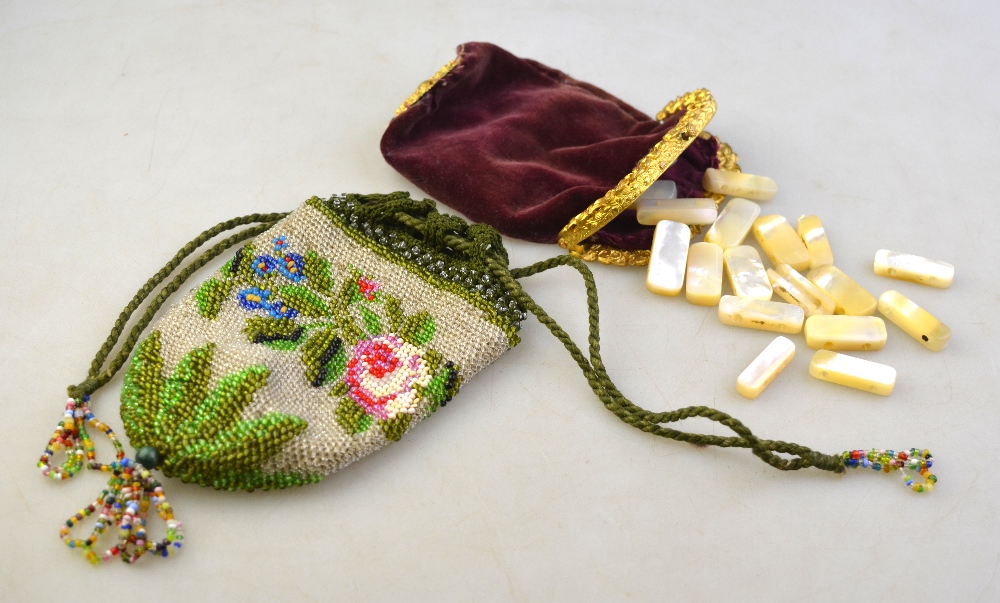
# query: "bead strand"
(71, 435)
(914, 459)
(125, 502)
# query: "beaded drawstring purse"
(330, 333)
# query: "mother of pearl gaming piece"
(851, 298)
(917, 322)
(914, 268)
(780, 242)
(759, 314)
(765, 367)
(733, 224)
(661, 189)
(704, 274)
(737, 184)
(668, 258)
(858, 333)
(746, 273)
(686, 211)
(811, 230)
(853, 372)
(796, 289)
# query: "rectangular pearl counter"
(765, 367)
(686, 211)
(796, 289)
(668, 258)
(851, 298)
(746, 273)
(853, 372)
(780, 243)
(661, 189)
(914, 320)
(733, 224)
(914, 268)
(811, 230)
(737, 184)
(761, 315)
(857, 333)
(704, 274)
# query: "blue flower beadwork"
(292, 267)
(254, 298)
(264, 265)
(278, 309)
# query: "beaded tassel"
(887, 460)
(126, 501)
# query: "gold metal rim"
(606, 254)
(699, 108)
(427, 85)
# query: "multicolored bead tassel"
(914, 459)
(126, 501)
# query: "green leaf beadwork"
(199, 432)
(210, 296)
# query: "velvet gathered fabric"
(524, 148)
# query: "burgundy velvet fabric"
(523, 147)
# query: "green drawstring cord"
(914, 459)
(132, 490)
(593, 368)
(484, 247)
(639, 417)
(96, 377)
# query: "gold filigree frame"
(427, 85)
(699, 107)
(605, 254)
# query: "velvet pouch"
(524, 148)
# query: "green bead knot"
(149, 457)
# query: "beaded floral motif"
(384, 374)
(390, 372)
(267, 282)
(253, 298)
(444, 270)
(353, 337)
(375, 357)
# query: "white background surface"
(127, 128)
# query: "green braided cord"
(639, 417)
(96, 378)
(484, 246)
(483, 249)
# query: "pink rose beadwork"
(383, 376)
